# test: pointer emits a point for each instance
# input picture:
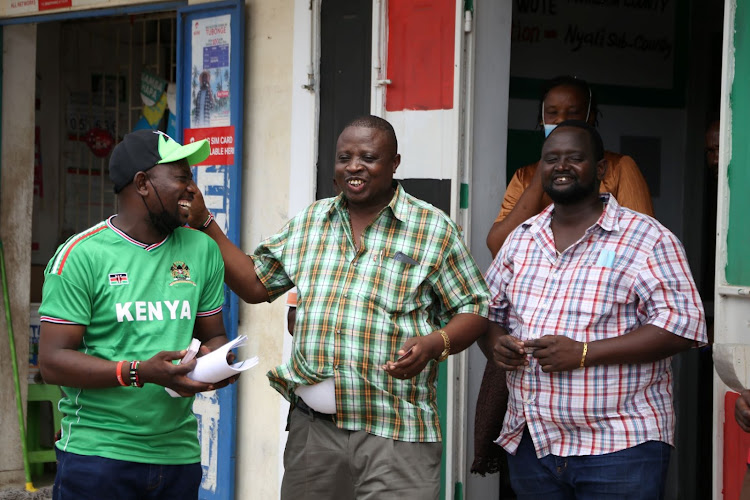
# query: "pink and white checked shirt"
(626, 271)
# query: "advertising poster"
(210, 75)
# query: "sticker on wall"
(152, 87)
(152, 115)
(99, 141)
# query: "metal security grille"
(102, 62)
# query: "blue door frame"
(218, 425)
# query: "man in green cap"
(120, 303)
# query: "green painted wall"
(442, 401)
(1, 100)
(738, 230)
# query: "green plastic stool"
(40, 394)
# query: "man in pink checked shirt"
(589, 302)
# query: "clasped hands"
(555, 353)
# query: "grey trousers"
(322, 461)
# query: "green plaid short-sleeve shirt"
(356, 308)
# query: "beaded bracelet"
(118, 371)
(134, 380)
(208, 221)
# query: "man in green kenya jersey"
(386, 289)
(121, 300)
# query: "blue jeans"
(82, 477)
(634, 473)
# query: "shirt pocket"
(596, 290)
(399, 284)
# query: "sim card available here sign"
(221, 140)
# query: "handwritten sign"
(612, 42)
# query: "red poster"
(54, 4)
(421, 41)
(221, 140)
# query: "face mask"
(548, 128)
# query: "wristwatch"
(447, 346)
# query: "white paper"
(213, 367)
(192, 351)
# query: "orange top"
(622, 178)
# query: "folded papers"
(213, 367)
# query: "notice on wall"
(210, 75)
(30, 6)
(221, 140)
(612, 42)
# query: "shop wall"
(16, 171)
(18, 8)
(266, 185)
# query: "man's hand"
(742, 410)
(508, 352)
(556, 353)
(414, 356)
(161, 370)
(198, 213)
(503, 349)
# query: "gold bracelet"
(585, 350)
(446, 346)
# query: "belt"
(302, 406)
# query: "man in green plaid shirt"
(377, 273)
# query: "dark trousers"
(82, 477)
(634, 473)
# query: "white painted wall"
(732, 312)
(492, 23)
(302, 173)
(269, 96)
(427, 142)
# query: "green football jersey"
(135, 300)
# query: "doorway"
(674, 114)
(345, 55)
(88, 97)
